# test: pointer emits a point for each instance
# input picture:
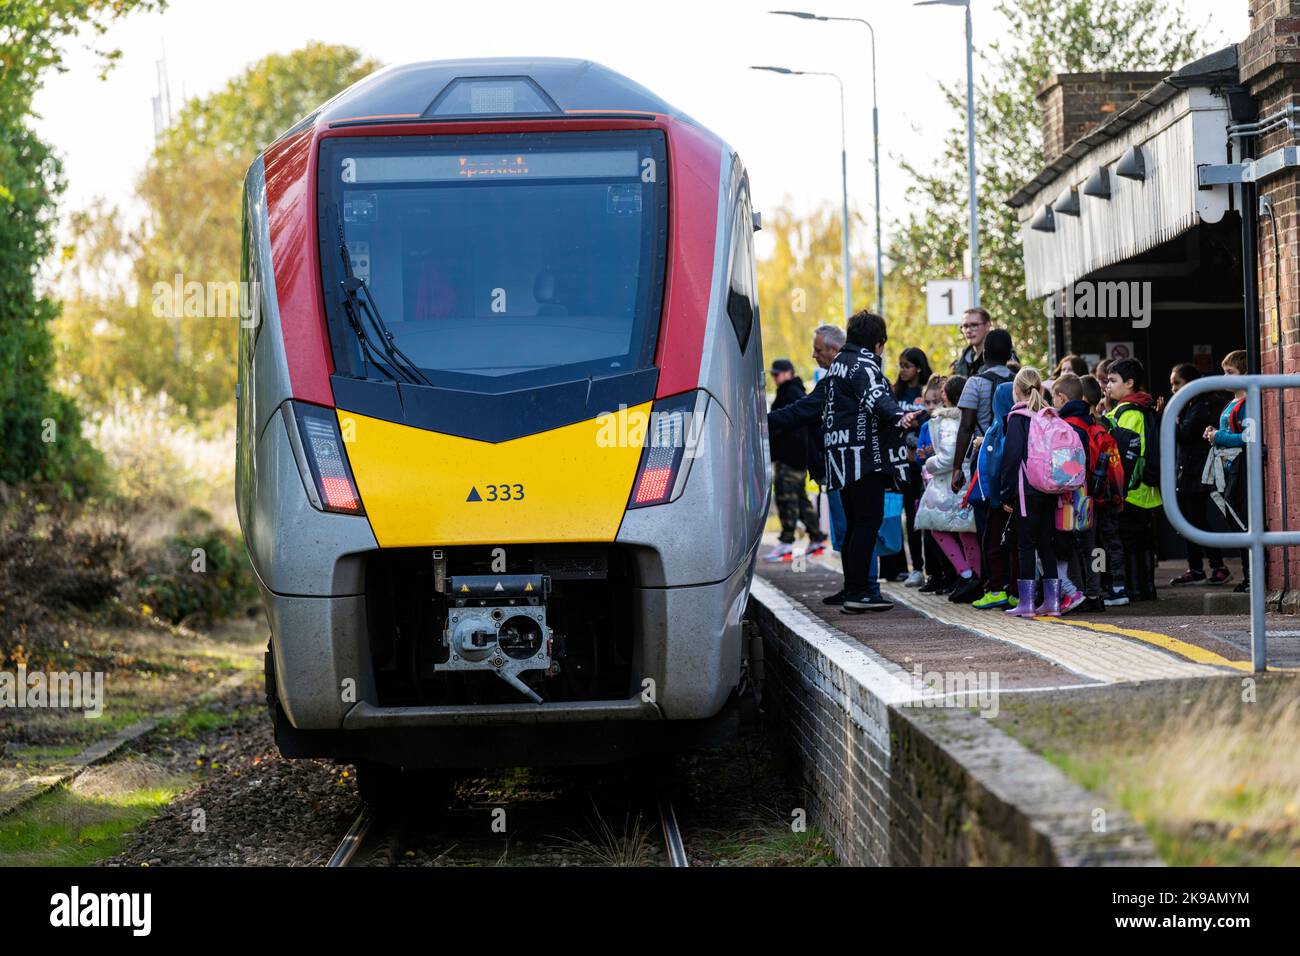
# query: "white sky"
(693, 53)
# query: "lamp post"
(970, 145)
(844, 177)
(875, 137)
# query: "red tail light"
(322, 452)
(652, 486)
(672, 440)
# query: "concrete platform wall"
(891, 782)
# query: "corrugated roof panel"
(1186, 131)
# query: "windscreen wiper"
(359, 304)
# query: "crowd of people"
(1030, 494)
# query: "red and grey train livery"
(502, 452)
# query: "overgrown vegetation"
(124, 335)
(63, 563)
(40, 435)
(1207, 766)
(201, 575)
(1039, 38)
(116, 497)
(800, 288)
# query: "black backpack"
(1140, 467)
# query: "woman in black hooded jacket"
(864, 453)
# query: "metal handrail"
(1255, 537)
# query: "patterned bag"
(1055, 461)
(1074, 511)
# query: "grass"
(195, 722)
(88, 821)
(764, 838)
(146, 670)
(1212, 777)
(632, 845)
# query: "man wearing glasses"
(975, 326)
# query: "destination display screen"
(439, 168)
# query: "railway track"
(376, 838)
(672, 833)
(353, 839)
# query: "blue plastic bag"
(889, 540)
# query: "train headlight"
(674, 437)
(322, 459)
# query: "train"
(502, 462)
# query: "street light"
(844, 176)
(875, 136)
(970, 145)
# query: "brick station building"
(1123, 209)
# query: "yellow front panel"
(418, 487)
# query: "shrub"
(202, 574)
(52, 560)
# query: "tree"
(39, 428)
(113, 341)
(1044, 37)
(799, 288)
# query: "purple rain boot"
(1026, 606)
(1051, 606)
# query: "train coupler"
(497, 622)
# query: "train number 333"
(497, 493)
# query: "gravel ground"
(257, 808)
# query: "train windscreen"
(494, 262)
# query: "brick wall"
(838, 733)
(898, 785)
(1270, 67)
(1074, 104)
(1274, 38)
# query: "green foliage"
(184, 586)
(800, 288)
(112, 340)
(68, 828)
(1043, 37)
(39, 429)
(63, 561)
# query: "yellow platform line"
(1191, 652)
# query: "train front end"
(502, 455)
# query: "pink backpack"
(1055, 461)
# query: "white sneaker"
(782, 552)
(914, 580)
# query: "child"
(940, 511)
(1079, 570)
(1099, 373)
(1229, 435)
(1107, 512)
(1034, 512)
(1000, 564)
(941, 575)
(1134, 424)
(1092, 395)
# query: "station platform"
(1170, 638)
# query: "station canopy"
(1130, 184)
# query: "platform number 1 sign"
(946, 301)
